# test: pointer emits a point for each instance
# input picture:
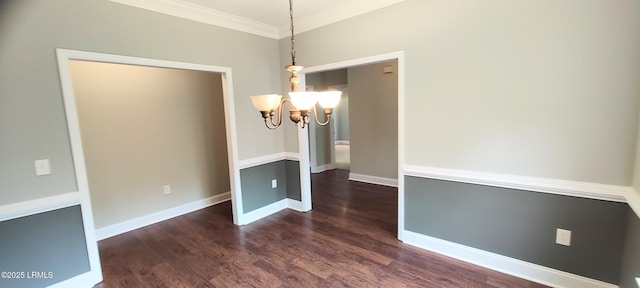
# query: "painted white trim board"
(265, 211)
(342, 142)
(266, 159)
(272, 208)
(36, 206)
(633, 199)
(401, 144)
(198, 13)
(373, 179)
(136, 223)
(295, 205)
(305, 166)
(511, 266)
(321, 168)
(544, 185)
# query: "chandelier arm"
(315, 114)
(266, 123)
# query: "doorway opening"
(381, 149)
(362, 136)
(154, 138)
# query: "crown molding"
(198, 13)
(205, 15)
(348, 10)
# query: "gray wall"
(32, 119)
(527, 89)
(373, 120)
(51, 242)
(256, 184)
(533, 88)
(631, 253)
(293, 180)
(522, 224)
(146, 127)
(342, 117)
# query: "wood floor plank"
(349, 239)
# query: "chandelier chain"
(293, 41)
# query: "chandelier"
(302, 102)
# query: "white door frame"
(303, 142)
(64, 56)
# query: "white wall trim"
(136, 223)
(37, 206)
(373, 179)
(633, 199)
(322, 168)
(295, 205)
(205, 15)
(343, 142)
(545, 185)
(265, 211)
(186, 10)
(511, 266)
(266, 159)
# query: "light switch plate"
(42, 167)
(563, 237)
(274, 183)
(638, 281)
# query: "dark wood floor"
(348, 240)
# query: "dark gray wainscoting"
(521, 224)
(293, 180)
(48, 248)
(631, 254)
(256, 184)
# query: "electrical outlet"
(274, 183)
(42, 167)
(167, 189)
(563, 237)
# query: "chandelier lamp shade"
(301, 102)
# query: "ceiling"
(268, 18)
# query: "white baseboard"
(129, 225)
(343, 142)
(511, 266)
(295, 205)
(373, 179)
(270, 209)
(265, 211)
(321, 168)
